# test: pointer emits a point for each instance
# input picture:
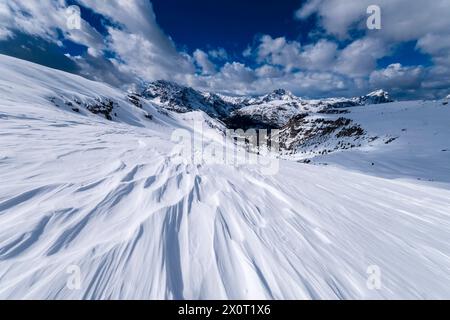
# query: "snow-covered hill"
(111, 199)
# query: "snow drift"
(107, 197)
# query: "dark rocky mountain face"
(182, 99)
(315, 135)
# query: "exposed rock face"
(135, 99)
(104, 107)
(320, 135)
(99, 106)
(178, 98)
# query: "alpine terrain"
(99, 199)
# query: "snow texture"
(107, 196)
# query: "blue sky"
(234, 24)
(231, 24)
(315, 48)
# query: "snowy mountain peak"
(378, 93)
(279, 94)
(271, 110)
(376, 97)
(164, 88)
(175, 97)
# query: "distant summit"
(278, 94)
(272, 110)
(376, 97)
(175, 97)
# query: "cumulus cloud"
(133, 48)
(359, 58)
(237, 71)
(139, 47)
(308, 9)
(350, 64)
(267, 71)
(279, 52)
(438, 46)
(402, 20)
(5, 34)
(292, 55)
(319, 56)
(140, 51)
(396, 76)
(425, 22)
(47, 19)
(202, 59)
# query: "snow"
(276, 112)
(377, 93)
(420, 151)
(108, 197)
(278, 107)
(175, 97)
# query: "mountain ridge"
(272, 110)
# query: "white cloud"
(319, 56)
(46, 19)
(219, 54)
(233, 78)
(266, 71)
(396, 76)
(402, 20)
(237, 72)
(139, 50)
(426, 22)
(308, 9)
(436, 84)
(336, 16)
(247, 52)
(141, 46)
(5, 34)
(359, 58)
(438, 46)
(279, 52)
(202, 59)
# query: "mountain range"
(272, 110)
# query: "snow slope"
(109, 197)
(401, 140)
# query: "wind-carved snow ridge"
(92, 208)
